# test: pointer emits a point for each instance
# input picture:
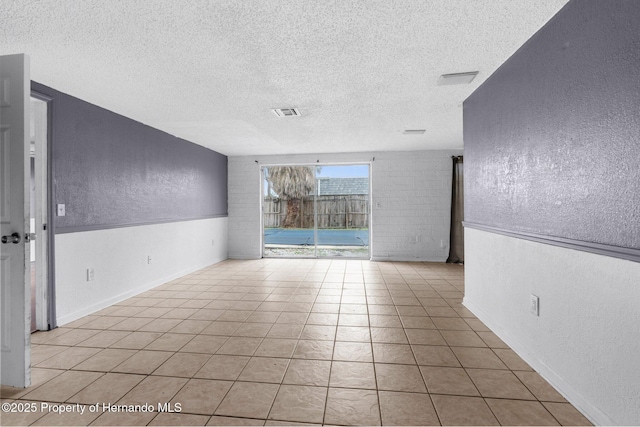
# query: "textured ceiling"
(209, 71)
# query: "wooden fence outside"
(350, 211)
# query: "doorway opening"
(316, 211)
(39, 194)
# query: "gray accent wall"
(111, 171)
(552, 138)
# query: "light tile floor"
(280, 342)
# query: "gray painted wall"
(111, 171)
(552, 138)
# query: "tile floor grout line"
(326, 400)
(375, 372)
(421, 373)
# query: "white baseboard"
(592, 413)
(131, 260)
(85, 311)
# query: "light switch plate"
(61, 209)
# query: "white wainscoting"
(586, 340)
(120, 261)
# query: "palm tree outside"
(292, 183)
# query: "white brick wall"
(411, 196)
(244, 208)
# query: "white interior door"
(15, 306)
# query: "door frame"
(46, 316)
(261, 167)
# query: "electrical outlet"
(90, 274)
(534, 305)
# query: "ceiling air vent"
(286, 112)
(414, 131)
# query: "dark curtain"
(456, 238)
